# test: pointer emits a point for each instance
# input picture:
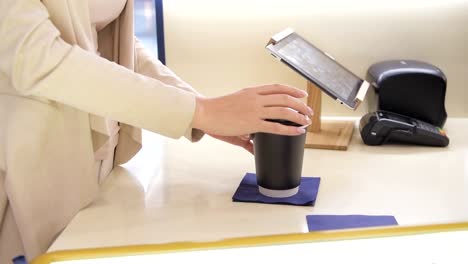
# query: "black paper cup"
(278, 162)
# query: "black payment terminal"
(380, 127)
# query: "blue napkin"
(248, 192)
(331, 222)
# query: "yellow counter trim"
(80, 254)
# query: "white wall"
(218, 46)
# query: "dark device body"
(278, 159)
(408, 87)
(379, 127)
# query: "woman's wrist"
(200, 112)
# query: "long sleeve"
(39, 63)
(148, 65)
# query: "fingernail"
(308, 120)
(301, 130)
(245, 137)
(310, 111)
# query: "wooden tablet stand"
(326, 134)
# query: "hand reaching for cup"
(244, 141)
(246, 111)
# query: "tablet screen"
(319, 68)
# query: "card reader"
(380, 127)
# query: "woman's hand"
(244, 112)
(241, 141)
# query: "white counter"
(183, 191)
(445, 247)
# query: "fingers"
(280, 89)
(280, 129)
(287, 101)
(249, 147)
(245, 143)
(241, 141)
(286, 114)
(246, 137)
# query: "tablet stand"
(326, 134)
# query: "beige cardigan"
(49, 83)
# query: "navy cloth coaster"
(248, 192)
(20, 260)
(331, 222)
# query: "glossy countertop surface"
(174, 190)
